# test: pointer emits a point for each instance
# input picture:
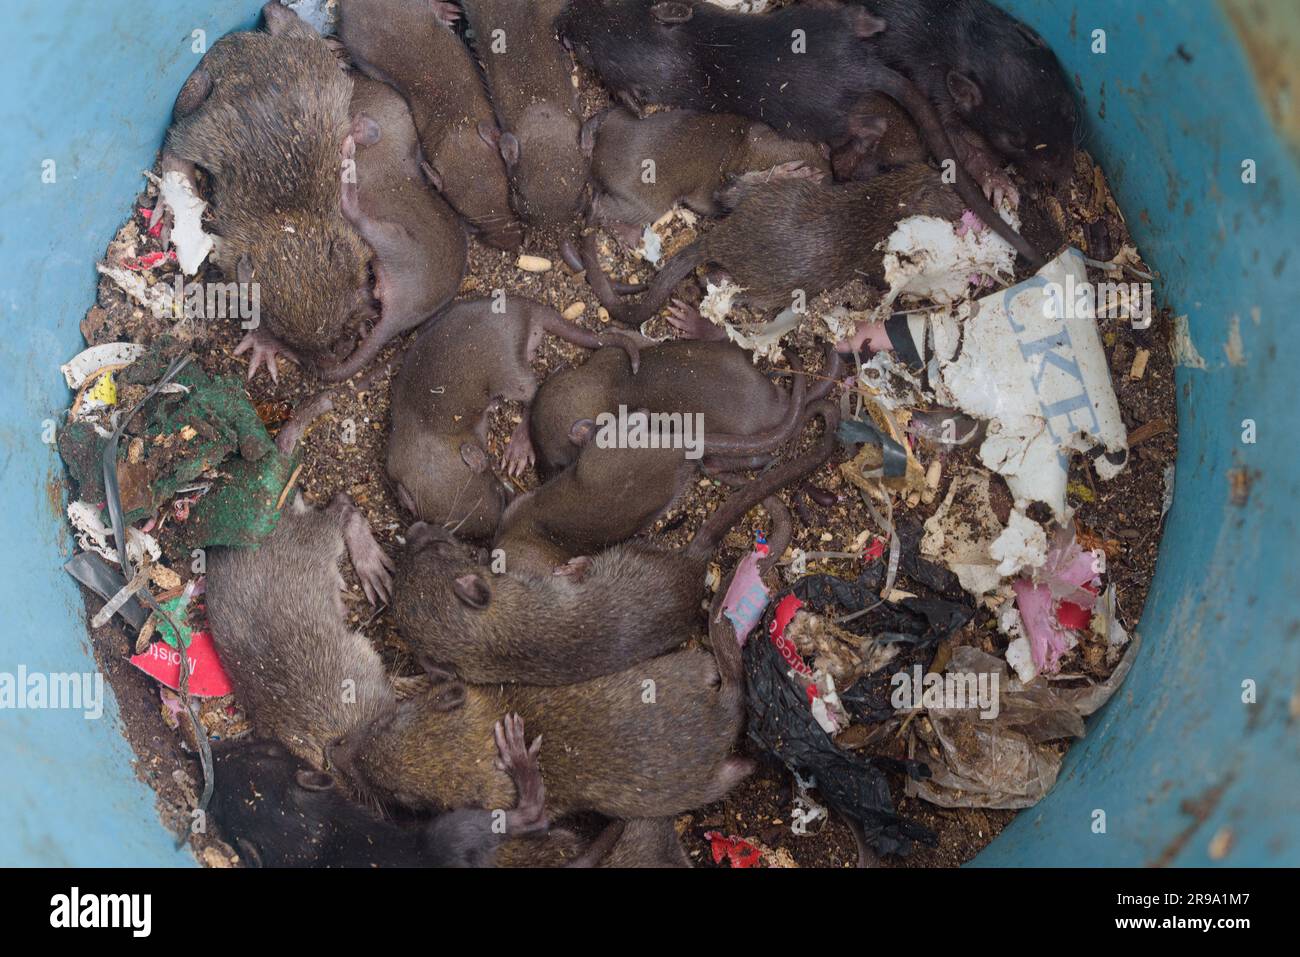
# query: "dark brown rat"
(834, 227)
(592, 616)
(650, 741)
(530, 77)
(279, 811)
(279, 625)
(804, 70)
(411, 45)
(693, 154)
(272, 153)
(471, 355)
(420, 245)
(897, 144)
(989, 75)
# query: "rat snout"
(419, 536)
(508, 237)
(339, 757)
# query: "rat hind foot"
(264, 349)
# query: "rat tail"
(634, 314)
(769, 483)
(909, 96)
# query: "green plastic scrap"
(209, 428)
(177, 608)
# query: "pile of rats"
(570, 684)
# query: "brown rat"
(272, 153)
(835, 228)
(804, 70)
(650, 741)
(411, 45)
(279, 626)
(471, 355)
(529, 75)
(589, 617)
(717, 379)
(279, 811)
(897, 144)
(420, 245)
(694, 155)
(648, 842)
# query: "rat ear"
(965, 91)
(508, 143)
(244, 271)
(365, 131)
(249, 852)
(447, 697)
(314, 780)
(490, 134)
(671, 13)
(472, 590)
(581, 431)
(474, 456)
(866, 25)
(431, 174)
(1030, 36)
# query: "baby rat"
(804, 70)
(410, 44)
(717, 379)
(265, 114)
(993, 79)
(651, 741)
(693, 155)
(834, 228)
(419, 243)
(279, 811)
(473, 354)
(590, 617)
(279, 625)
(529, 75)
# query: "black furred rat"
(804, 70)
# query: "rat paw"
(519, 759)
(445, 13)
(690, 324)
(997, 186)
(265, 348)
(519, 455)
(575, 568)
(372, 564)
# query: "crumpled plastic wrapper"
(1005, 762)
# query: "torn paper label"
(1040, 379)
(927, 257)
(191, 242)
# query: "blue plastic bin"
(1184, 94)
